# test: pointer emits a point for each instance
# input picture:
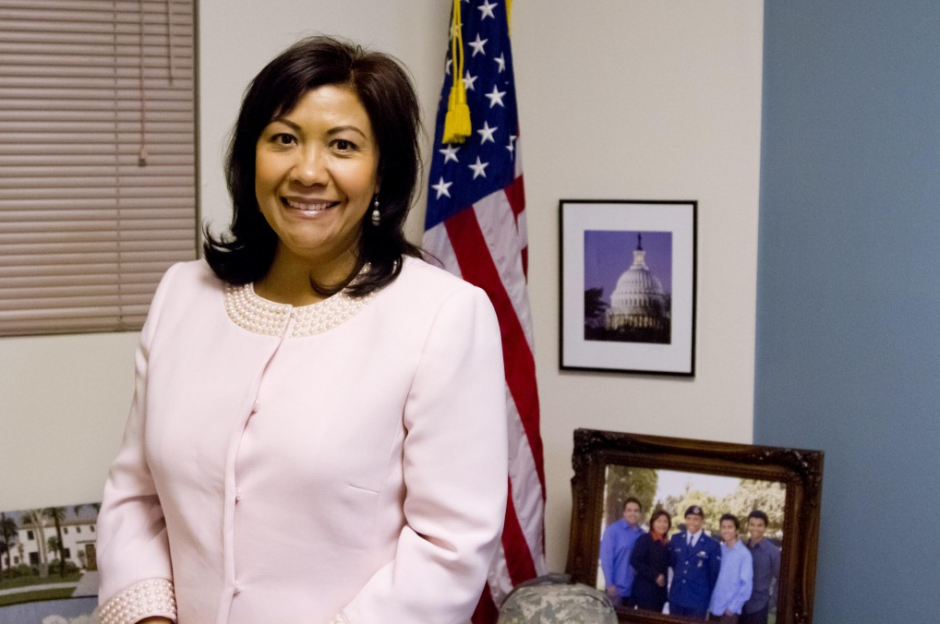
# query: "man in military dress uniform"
(696, 561)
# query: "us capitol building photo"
(639, 308)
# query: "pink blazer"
(344, 461)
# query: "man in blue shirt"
(695, 560)
(766, 558)
(736, 576)
(616, 547)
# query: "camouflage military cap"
(557, 604)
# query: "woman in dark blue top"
(650, 559)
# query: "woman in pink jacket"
(318, 430)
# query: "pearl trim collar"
(258, 315)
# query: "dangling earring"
(376, 215)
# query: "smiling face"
(661, 525)
(631, 513)
(756, 529)
(728, 531)
(316, 170)
(693, 523)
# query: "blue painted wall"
(848, 327)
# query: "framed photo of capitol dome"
(628, 286)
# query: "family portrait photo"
(691, 544)
(686, 530)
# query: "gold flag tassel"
(509, 16)
(457, 121)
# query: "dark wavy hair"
(657, 514)
(244, 254)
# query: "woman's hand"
(661, 580)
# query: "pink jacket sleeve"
(132, 550)
(455, 472)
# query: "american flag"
(476, 227)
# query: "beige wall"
(620, 99)
(643, 100)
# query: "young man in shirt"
(695, 561)
(766, 558)
(735, 579)
(616, 548)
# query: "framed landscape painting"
(48, 566)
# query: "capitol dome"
(638, 301)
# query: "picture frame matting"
(628, 286)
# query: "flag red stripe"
(515, 192)
(477, 267)
(486, 611)
(518, 556)
(486, 244)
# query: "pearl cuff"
(151, 598)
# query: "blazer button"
(254, 408)
(238, 589)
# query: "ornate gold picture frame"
(608, 466)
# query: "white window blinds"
(97, 159)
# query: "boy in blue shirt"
(735, 579)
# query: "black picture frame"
(643, 322)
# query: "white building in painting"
(78, 543)
(638, 301)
